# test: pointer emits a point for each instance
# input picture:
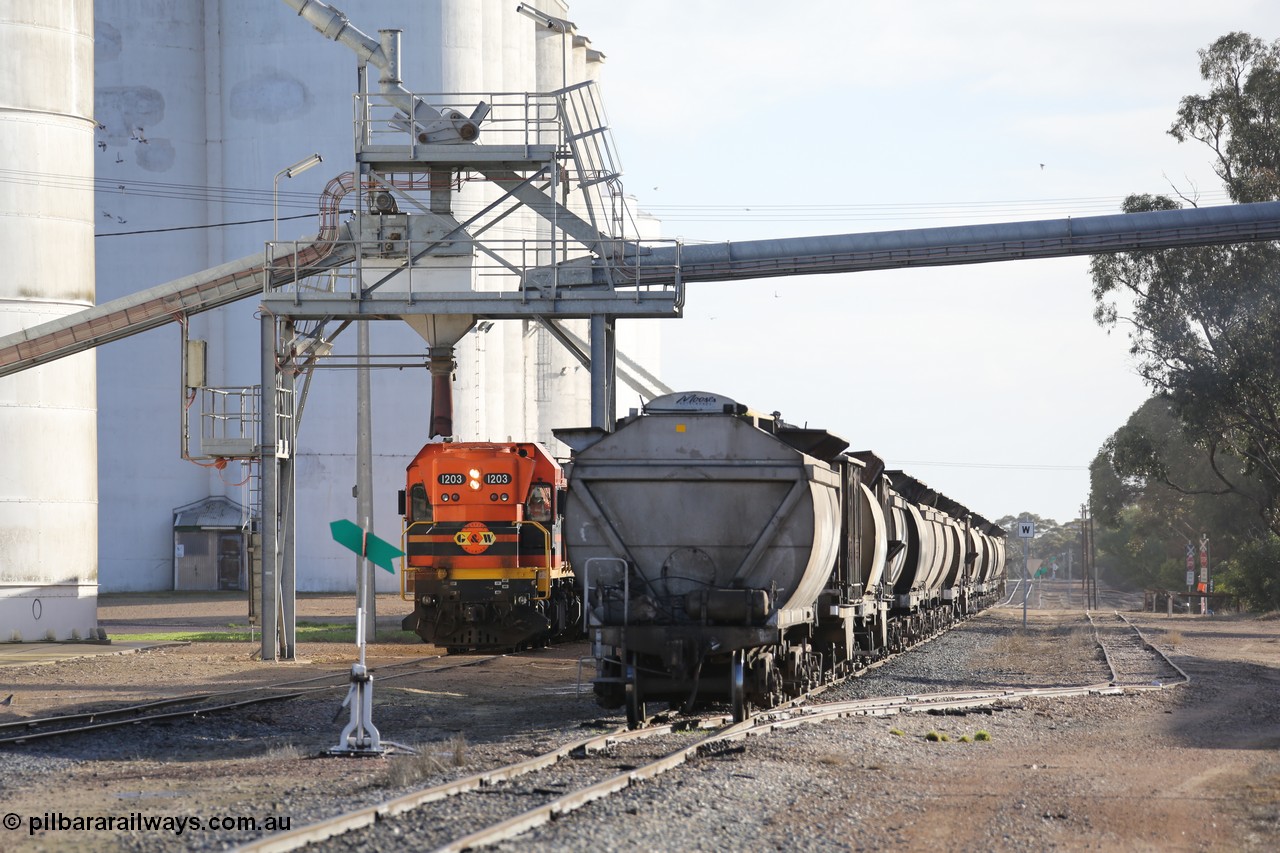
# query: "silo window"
(419, 504)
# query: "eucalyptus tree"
(1204, 323)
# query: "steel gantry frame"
(420, 267)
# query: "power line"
(746, 211)
(210, 225)
(992, 465)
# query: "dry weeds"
(427, 761)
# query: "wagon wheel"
(636, 712)
(737, 685)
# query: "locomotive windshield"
(538, 507)
(419, 504)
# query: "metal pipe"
(391, 50)
(962, 244)
(441, 365)
(335, 26)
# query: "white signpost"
(1026, 532)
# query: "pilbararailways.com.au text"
(139, 822)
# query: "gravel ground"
(1186, 768)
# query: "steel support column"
(603, 359)
(286, 436)
(366, 598)
(270, 532)
(279, 559)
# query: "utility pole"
(1084, 557)
(1093, 563)
(1070, 554)
(1088, 563)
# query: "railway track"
(197, 705)
(1133, 661)
(492, 806)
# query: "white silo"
(48, 466)
(208, 103)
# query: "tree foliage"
(1204, 323)
(1239, 117)
(1052, 541)
(1251, 574)
(1143, 523)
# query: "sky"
(747, 120)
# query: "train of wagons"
(719, 555)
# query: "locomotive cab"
(485, 565)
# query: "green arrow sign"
(353, 537)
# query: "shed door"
(230, 560)
(194, 566)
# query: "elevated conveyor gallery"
(203, 291)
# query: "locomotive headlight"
(474, 484)
(475, 473)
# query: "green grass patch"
(307, 632)
(982, 735)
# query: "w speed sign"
(1026, 530)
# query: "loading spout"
(441, 364)
(432, 125)
(193, 294)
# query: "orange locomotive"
(485, 563)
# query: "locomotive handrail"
(405, 568)
(541, 575)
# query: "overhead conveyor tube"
(963, 244)
(129, 315)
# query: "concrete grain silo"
(48, 464)
(201, 106)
